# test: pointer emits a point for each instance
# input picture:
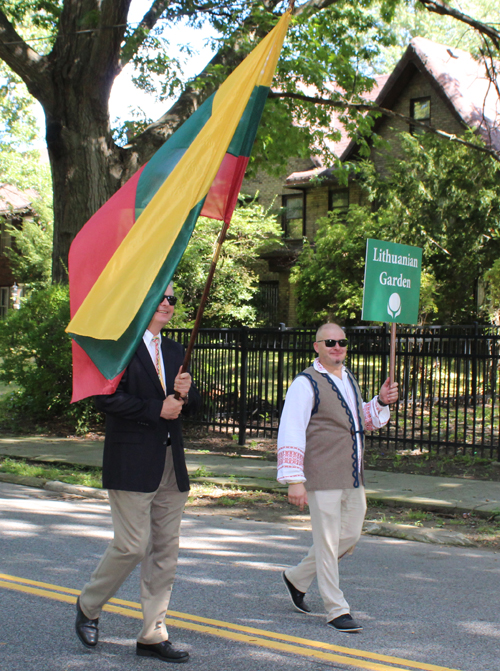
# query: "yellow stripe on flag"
(122, 287)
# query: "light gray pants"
(337, 520)
(146, 528)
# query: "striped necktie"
(156, 340)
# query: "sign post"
(392, 287)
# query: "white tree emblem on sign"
(394, 305)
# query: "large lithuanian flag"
(122, 260)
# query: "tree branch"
(313, 7)
(439, 7)
(148, 22)
(24, 61)
(367, 107)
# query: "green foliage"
(329, 274)
(17, 123)
(444, 198)
(411, 19)
(252, 231)
(38, 14)
(326, 54)
(31, 257)
(492, 279)
(36, 358)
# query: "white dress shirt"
(148, 341)
(295, 418)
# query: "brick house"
(15, 207)
(432, 83)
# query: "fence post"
(281, 355)
(242, 429)
(474, 352)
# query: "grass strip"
(74, 475)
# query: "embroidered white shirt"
(295, 418)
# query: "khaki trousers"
(146, 528)
(337, 519)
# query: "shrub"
(36, 360)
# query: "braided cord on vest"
(361, 430)
(353, 385)
(315, 390)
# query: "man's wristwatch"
(381, 402)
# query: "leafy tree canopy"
(411, 19)
(71, 67)
(69, 53)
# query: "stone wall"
(271, 188)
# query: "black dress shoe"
(164, 651)
(296, 596)
(346, 624)
(87, 630)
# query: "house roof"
(458, 78)
(15, 201)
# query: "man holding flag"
(116, 313)
(144, 470)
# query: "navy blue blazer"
(136, 436)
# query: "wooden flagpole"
(211, 272)
(201, 307)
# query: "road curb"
(420, 534)
(76, 490)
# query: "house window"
(420, 109)
(293, 216)
(267, 302)
(338, 200)
(4, 300)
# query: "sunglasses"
(331, 343)
(172, 300)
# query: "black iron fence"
(448, 382)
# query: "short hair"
(319, 332)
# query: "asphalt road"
(420, 604)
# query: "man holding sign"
(320, 457)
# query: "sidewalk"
(423, 491)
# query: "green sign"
(392, 282)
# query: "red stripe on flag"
(87, 380)
(223, 194)
(90, 252)
(99, 239)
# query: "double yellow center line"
(304, 647)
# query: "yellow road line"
(249, 635)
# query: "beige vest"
(331, 457)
